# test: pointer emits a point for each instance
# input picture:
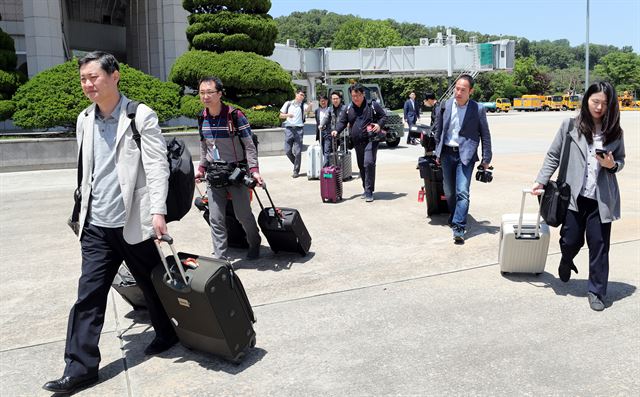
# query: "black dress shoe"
(159, 345)
(70, 384)
(564, 270)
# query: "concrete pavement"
(384, 304)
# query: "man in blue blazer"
(411, 112)
(460, 126)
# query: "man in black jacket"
(365, 120)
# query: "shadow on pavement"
(575, 287)
(274, 262)
(387, 196)
(474, 227)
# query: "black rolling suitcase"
(236, 236)
(431, 174)
(126, 286)
(283, 228)
(206, 303)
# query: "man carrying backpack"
(122, 210)
(229, 160)
(366, 120)
(293, 112)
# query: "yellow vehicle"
(528, 103)
(570, 102)
(552, 102)
(503, 105)
(627, 102)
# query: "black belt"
(455, 149)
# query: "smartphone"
(601, 153)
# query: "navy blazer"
(410, 114)
(475, 128)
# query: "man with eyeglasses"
(225, 146)
(293, 112)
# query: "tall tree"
(622, 70)
(529, 76)
(365, 33)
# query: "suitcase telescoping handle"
(519, 232)
(198, 183)
(169, 240)
(275, 213)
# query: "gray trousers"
(218, 210)
(293, 146)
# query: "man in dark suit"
(458, 132)
(411, 113)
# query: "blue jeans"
(293, 146)
(457, 179)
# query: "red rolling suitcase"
(331, 181)
(283, 227)
(206, 303)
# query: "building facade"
(146, 34)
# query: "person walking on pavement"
(123, 207)
(596, 155)
(293, 112)
(322, 113)
(411, 114)
(365, 121)
(225, 146)
(431, 102)
(458, 133)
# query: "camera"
(239, 176)
(484, 174)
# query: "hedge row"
(54, 97)
(7, 108)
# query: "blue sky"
(614, 22)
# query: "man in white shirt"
(293, 112)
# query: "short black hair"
(322, 96)
(300, 90)
(468, 78)
(107, 61)
(338, 93)
(430, 95)
(212, 79)
(356, 87)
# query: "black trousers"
(103, 249)
(572, 236)
(366, 153)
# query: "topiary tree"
(230, 25)
(248, 78)
(229, 39)
(54, 97)
(10, 78)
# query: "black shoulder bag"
(554, 202)
(74, 219)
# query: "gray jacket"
(607, 191)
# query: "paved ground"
(384, 304)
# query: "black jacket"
(358, 117)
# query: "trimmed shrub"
(8, 58)
(54, 97)
(9, 83)
(231, 25)
(266, 118)
(248, 78)
(6, 109)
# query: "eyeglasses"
(209, 93)
(596, 102)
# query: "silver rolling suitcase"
(524, 242)
(314, 161)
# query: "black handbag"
(74, 219)
(554, 202)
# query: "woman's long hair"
(610, 120)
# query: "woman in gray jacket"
(596, 155)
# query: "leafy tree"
(622, 70)
(529, 76)
(228, 25)
(10, 78)
(314, 28)
(54, 97)
(365, 33)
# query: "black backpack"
(181, 172)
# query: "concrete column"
(174, 20)
(43, 35)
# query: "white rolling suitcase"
(524, 242)
(314, 161)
